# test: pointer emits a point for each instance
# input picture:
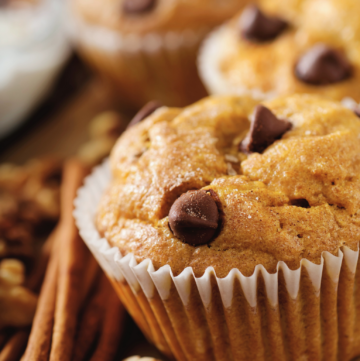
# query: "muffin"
(333, 17)
(147, 48)
(269, 52)
(230, 228)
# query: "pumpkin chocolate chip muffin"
(147, 49)
(230, 228)
(267, 52)
(189, 191)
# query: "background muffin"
(267, 52)
(148, 48)
(338, 18)
(231, 228)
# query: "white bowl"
(33, 48)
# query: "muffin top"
(254, 54)
(291, 10)
(230, 183)
(339, 17)
(143, 16)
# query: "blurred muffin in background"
(339, 17)
(274, 50)
(291, 10)
(147, 48)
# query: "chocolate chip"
(257, 26)
(322, 65)
(194, 217)
(144, 112)
(264, 130)
(357, 111)
(136, 7)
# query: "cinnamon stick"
(3, 339)
(73, 257)
(42, 324)
(71, 274)
(43, 333)
(15, 347)
(112, 327)
(91, 277)
(37, 275)
(40, 337)
(91, 320)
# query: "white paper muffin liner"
(309, 285)
(112, 41)
(156, 65)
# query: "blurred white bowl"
(33, 48)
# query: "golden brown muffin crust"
(298, 198)
(269, 68)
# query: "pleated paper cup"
(141, 68)
(312, 313)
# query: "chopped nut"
(17, 304)
(12, 272)
(12, 177)
(29, 199)
(103, 131)
(47, 199)
(231, 158)
(107, 124)
(230, 170)
(92, 152)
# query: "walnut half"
(17, 304)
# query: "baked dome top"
(295, 199)
(269, 68)
(339, 17)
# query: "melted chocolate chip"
(322, 65)
(136, 7)
(194, 217)
(144, 112)
(264, 130)
(256, 26)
